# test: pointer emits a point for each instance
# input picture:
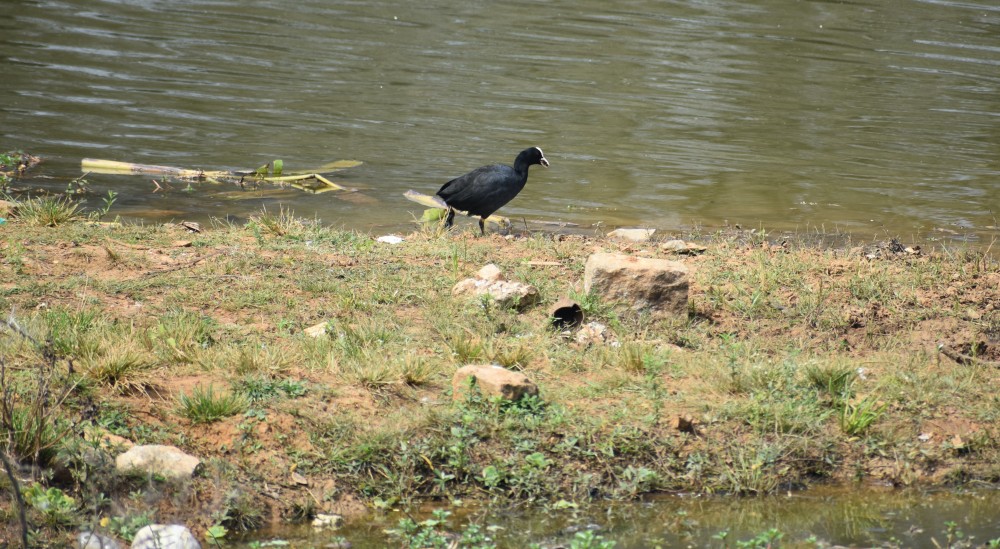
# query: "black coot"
(485, 190)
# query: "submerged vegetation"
(796, 364)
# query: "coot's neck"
(521, 163)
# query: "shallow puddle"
(819, 517)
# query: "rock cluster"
(506, 293)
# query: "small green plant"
(35, 433)
(257, 358)
(434, 533)
(953, 534)
(241, 513)
(126, 526)
(122, 366)
(752, 470)
(361, 339)
(584, 539)
(108, 201)
(216, 534)
(48, 211)
(70, 333)
(370, 371)
(856, 418)
(283, 224)
(9, 159)
(416, 371)
(57, 509)
(178, 335)
(514, 357)
(591, 304)
(259, 388)
(764, 540)
(587, 539)
(639, 358)
(833, 380)
(465, 348)
(205, 406)
(80, 186)
(31, 417)
(637, 480)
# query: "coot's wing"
(462, 183)
(483, 190)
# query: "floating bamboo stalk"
(296, 179)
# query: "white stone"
(165, 536)
(156, 459)
(93, 540)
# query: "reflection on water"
(881, 118)
(856, 518)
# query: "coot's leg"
(482, 230)
(451, 217)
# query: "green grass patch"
(205, 405)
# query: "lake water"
(866, 517)
(879, 118)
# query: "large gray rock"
(491, 380)
(658, 285)
(165, 536)
(156, 459)
(490, 281)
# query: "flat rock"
(165, 536)
(635, 235)
(680, 247)
(157, 459)
(490, 281)
(657, 285)
(316, 330)
(491, 380)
